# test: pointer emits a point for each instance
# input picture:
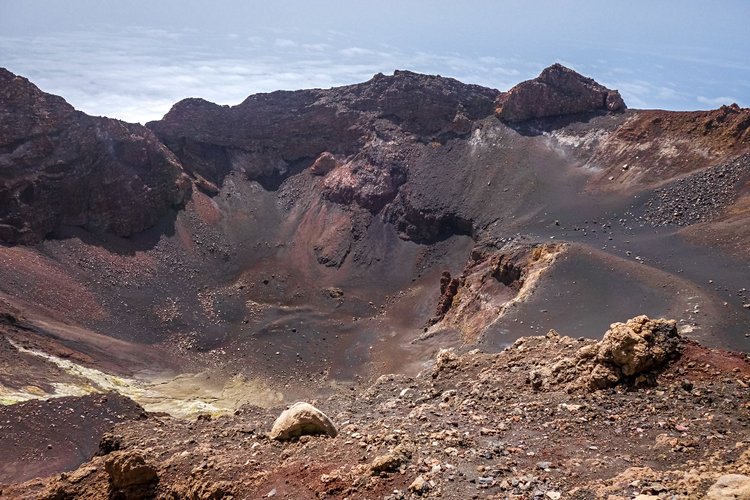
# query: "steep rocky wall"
(62, 167)
(269, 136)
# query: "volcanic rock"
(448, 290)
(61, 167)
(130, 476)
(639, 345)
(419, 485)
(270, 136)
(495, 276)
(323, 164)
(301, 419)
(730, 487)
(633, 351)
(370, 184)
(556, 91)
(391, 461)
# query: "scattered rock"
(392, 461)
(419, 485)
(109, 443)
(445, 360)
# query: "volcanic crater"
(301, 244)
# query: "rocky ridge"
(64, 168)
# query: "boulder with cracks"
(632, 352)
(302, 419)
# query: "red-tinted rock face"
(556, 91)
(323, 164)
(60, 167)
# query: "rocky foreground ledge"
(640, 414)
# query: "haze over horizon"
(133, 61)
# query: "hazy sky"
(133, 59)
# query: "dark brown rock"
(556, 91)
(448, 289)
(270, 136)
(60, 167)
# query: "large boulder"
(633, 349)
(302, 419)
(130, 476)
(632, 352)
(639, 345)
(730, 487)
(324, 163)
(557, 91)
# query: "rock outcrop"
(495, 277)
(633, 352)
(130, 476)
(323, 164)
(299, 420)
(60, 167)
(556, 91)
(730, 487)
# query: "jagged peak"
(557, 91)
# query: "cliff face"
(556, 91)
(61, 167)
(64, 168)
(268, 136)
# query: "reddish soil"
(47, 437)
(472, 426)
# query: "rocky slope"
(528, 422)
(301, 244)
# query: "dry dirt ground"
(471, 425)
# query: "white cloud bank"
(137, 74)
